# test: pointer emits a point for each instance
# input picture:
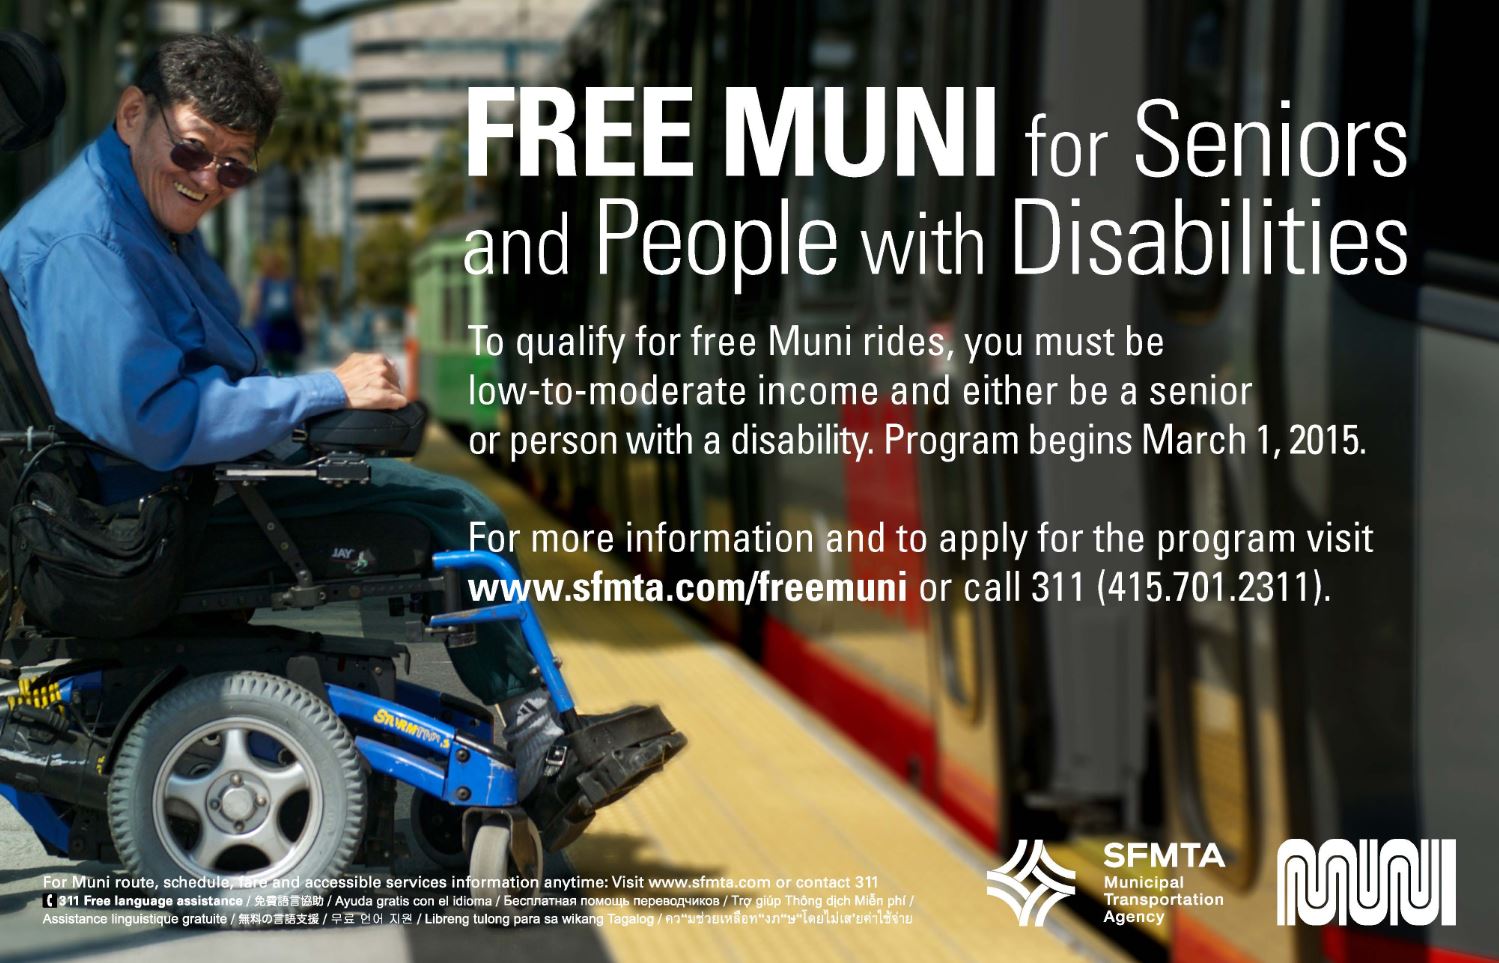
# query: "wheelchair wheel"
(504, 862)
(437, 827)
(239, 778)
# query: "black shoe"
(598, 764)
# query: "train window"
(1458, 243)
(960, 31)
(838, 55)
(908, 50)
(1200, 47)
(465, 299)
(1413, 63)
(1208, 664)
(455, 284)
(451, 333)
(958, 638)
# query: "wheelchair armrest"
(386, 433)
(336, 468)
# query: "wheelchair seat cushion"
(339, 546)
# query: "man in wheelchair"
(135, 337)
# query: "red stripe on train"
(1353, 946)
(893, 731)
(969, 801)
(1194, 941)
(881, 492)
(896, 733)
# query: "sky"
(327, 50)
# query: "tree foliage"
(310, 128)
(382, 262)
(444, 189)
(309, 131)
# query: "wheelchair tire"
(242, 779)
(437, 828)
(504, 863)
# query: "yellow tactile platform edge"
(764, 790)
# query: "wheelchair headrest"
(32, 90)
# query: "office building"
(412, 67)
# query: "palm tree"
(444, 187)
(309, 131)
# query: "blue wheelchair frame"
(446, 754)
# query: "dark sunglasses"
(193, 156)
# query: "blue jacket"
(140, 346)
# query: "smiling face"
(178, 198)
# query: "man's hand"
(370, 381)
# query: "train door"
(705, 493)
(863, 664)
(1217, 680)
(677, 51)
(964, 45)
(734, 43)
(569, 485)
(551, 304)
(653, 57)
(1095, 658)
(808, 491)
(1402, 746)
(614, 298)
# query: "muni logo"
(1048, 883)
(1367, 883)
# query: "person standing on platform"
(276, 309)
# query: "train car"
(1203, 721)
(447, 299)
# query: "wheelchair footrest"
(599, 764)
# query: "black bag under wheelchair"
(83, 569)
(143, 719)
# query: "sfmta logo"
(1032, 889)
(1367, 883)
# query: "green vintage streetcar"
(447, 300)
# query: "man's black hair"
(224, 78)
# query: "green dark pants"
(498, 666)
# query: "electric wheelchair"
(211, 756)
